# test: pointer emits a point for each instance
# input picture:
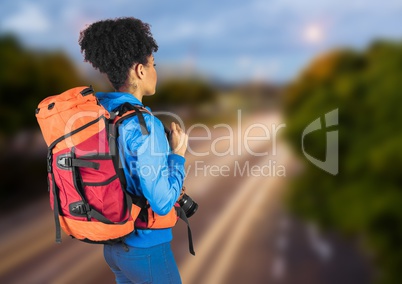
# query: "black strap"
(129, 202)
(78, 182)
(141, 202)
(52, 186)
(98, 216)
(87, 91)
(144, 129)
(122, 109)
(66, 161)
(56, 208)
(114, 152)
(84, 164)
(182, 215)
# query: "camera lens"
(188, 205)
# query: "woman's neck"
(135, 92)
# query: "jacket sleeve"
(160, 174)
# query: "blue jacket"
(151, 170)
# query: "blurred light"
(313, 33)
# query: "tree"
(365, 198)
(26, 77)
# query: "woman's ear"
(139, 70)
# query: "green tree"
(26, 77)
(364, 199)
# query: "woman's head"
(119, 48)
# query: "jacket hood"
(111, 101)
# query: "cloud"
(233, 39)
(29, 19)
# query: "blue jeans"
(142, 265)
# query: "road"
(242, 232)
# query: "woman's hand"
(178, 139)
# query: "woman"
(123, 50)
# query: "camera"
(188, 205)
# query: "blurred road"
(241, 232)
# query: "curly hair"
(113, 46)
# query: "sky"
(232, 41)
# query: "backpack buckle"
(79, 208)
(49, 162)
(64, 162)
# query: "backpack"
(86, 181)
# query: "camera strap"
(182, 215)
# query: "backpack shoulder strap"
(127, 110)
(122, 113)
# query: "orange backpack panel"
(64, 113)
